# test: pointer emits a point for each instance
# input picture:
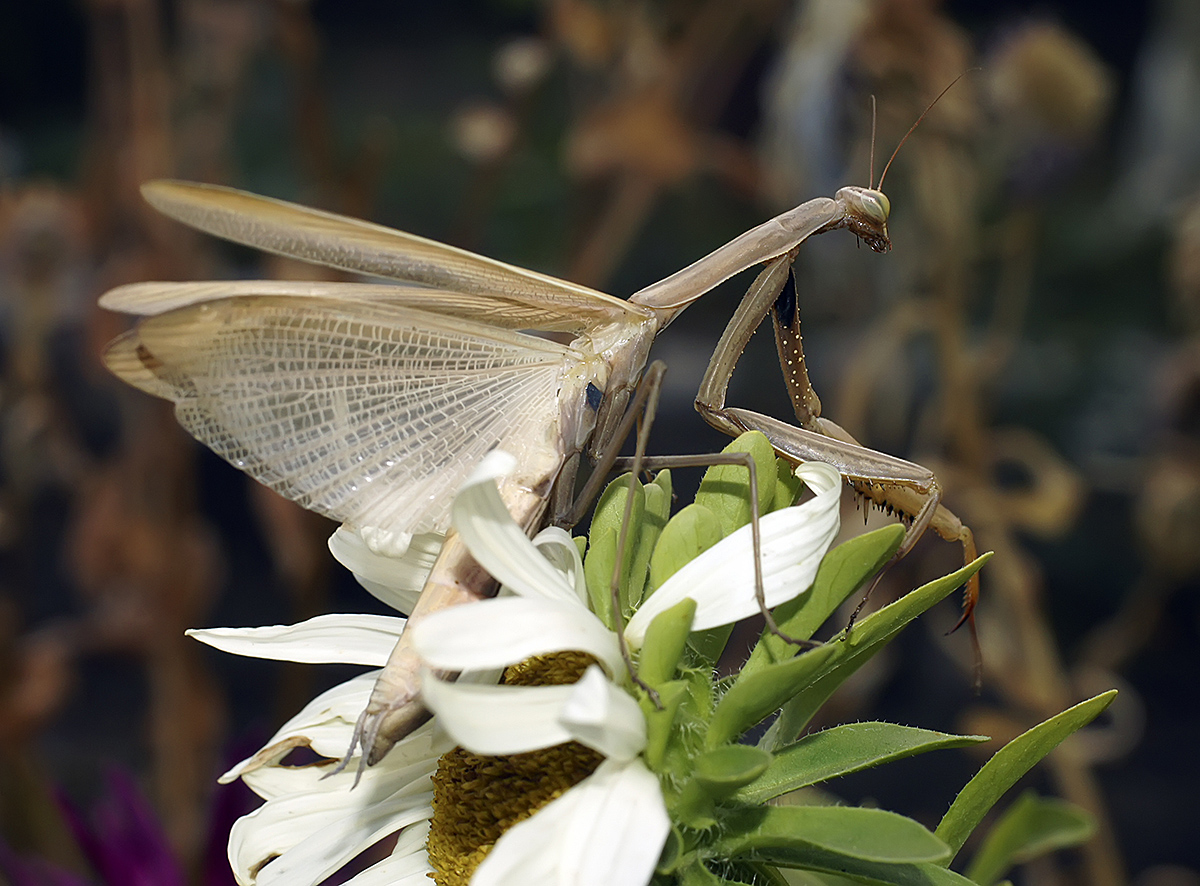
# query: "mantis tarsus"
(369, 403)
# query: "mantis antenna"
(911, 129)
(871, 177)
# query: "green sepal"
(696, 874)
(694, 807)
(602, 547)
(665, 640)
(1031, 827)
(709, 644)
(660, 720)
(842, 750)
(688, 534)
(754, 697)
(725, 489)
(1011, 762)
(842, 572)
(672, 855)
(659, 492)
(867, 637)
(784, 835)
(597, 573)
(654, 519)
(722, 771)
(787, 485)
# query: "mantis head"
(865, 210)
(865, 214)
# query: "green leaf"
(723, 770)
(601, 558)
(868, 636)
(1007, 766)
(797, 877)
(1030, 827)
(760, 694)
(688, 534)
(725, 489)
(783, 834)
(837, 869)
(842, 750)
(664, 643)
(842, 572)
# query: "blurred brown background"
(1034, 337)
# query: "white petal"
(557, 546)
(504, 631)
(396, 581)
(604, 717)
(721, 580)
(497, 542)
(408, 865)
(306, 836)
(277, 780)
(609, 828)
(326, 639)
(515, 719)
(498, 719)
(324, 724)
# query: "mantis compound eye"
(876, 205)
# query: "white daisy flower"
(570, 840)
(568, 755)
(313, 823)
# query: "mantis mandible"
(370, 403)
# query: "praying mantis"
(370, 403)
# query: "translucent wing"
(353, 245)
(366, 412)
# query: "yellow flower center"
(477, 798)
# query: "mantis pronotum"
(370, 403)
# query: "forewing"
(505, 311)
(353, 245)
(365, 412)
